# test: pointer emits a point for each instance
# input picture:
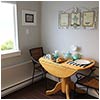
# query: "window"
(8, 29)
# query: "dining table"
(64, 71)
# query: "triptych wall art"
(77, 18)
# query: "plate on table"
(82, 61)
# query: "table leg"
(55, 89)
(65, 87)
(67, 91)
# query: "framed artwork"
(88, 18)
(63, 20)
(28, 17)
(75, 19)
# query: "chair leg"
(74, 88)
(46, 82)
(33, 74)
(45, 79)
(59, 79)
(44, 76)
(97, 92)
(87, 90)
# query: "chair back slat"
(36, 53)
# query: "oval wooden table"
(63, 71)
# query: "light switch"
(27, 31)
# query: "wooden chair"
(88, 81)
(36, 53)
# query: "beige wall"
(53, 38)
(19, 68)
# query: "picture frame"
(75, 19)
(88, 19)
(63, 20)
(28, 17)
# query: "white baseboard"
(16, 65)
(19, 85)
(14, 87)
(52, 77)
(28, 81)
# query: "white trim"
(15, 83)
(15, 51)
(52, 77)
(17, 87)
(11, 53)
(16, 27)
(16, 65)
(20, 84)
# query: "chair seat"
(89, 82)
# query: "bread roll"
(60, 59)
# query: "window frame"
(13, 52)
